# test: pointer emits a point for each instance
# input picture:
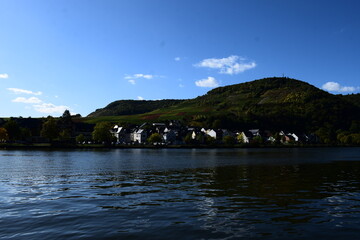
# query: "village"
(174, 133)
(65, 131)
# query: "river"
(294, 193)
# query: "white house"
(295, 137)
(122, 135)
(246, 136)
(169, 135)
(289, 136)
(211, 133)
(139, 136)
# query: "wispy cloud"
(23, 91)
(50, 108)
(27, 100)
(230, 65)
(140, 98)
(177, 59)
(181, 85)
(132, 81)
(209, 82)
(4, 76)
(139, 75)
(37, 104)
(336, 87)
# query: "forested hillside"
(270, 103)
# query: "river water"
(304, 193)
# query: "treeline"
(40, 130)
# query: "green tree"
(326, 134)
(240, 138)
(355, 127)
(13, 130)
(355, 138)
(50, 129)
(102, 132)
(258, 140)
(229, 140)
(80, 138)
(209, 139)
(188, 139)
(155, 138)
(25, 133)
(3, 135)
(200, 138)
(65, 135)
(66, 114)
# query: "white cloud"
(208, 82)
(139, 75)
(146, 76)
(50, 108)
(4, 76)
(132, 81)
(31, 100)
(336, 87)
(23, 91)
(177, 59)
(140, 98)
(37, 104)
(230, 65)
(181, 85)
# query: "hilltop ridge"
(130, 107)
(271, 103)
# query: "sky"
(82, 55)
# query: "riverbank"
(148, 146)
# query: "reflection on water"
(188, 194)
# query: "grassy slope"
(131, 107)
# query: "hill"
(270, 103)
(130, 107)
(353, 98)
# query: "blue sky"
(81, 55)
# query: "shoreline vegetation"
(49, 146)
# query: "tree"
(258, 140)
(240, 138)
(102, 132)
(326, 134)
(355, 138)
(64, 135)
(80, 138)
(66, 114)
(229, 140)
(50, 129)
(200, 138)
(25, 133)
(355, 127)
(13, 130)
(155, 138)
(65, 122)
(3, 135)
(209, 139)
(188, 139)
